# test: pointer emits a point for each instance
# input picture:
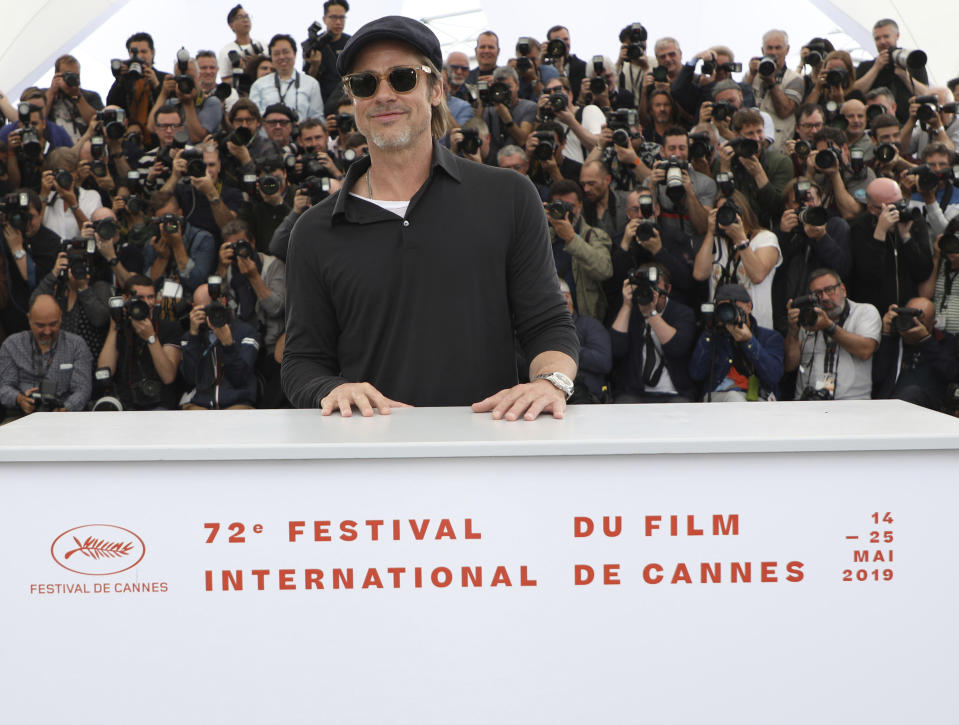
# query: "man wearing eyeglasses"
(287, 85)
(457, 68)
(405, 287)
(152, 165)
(833, 355)
(331, 44)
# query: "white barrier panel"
(738, 587)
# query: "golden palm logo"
(98, 548)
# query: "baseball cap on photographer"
(732, 293)
(391, 27)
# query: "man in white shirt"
(67, 207)
(239, 21)
(287, 85)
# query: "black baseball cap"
(733, 293)
(281, 108)
(391, 27)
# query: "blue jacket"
(765, 351)
(221, 376)
(202, 251)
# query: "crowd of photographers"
(789, 235)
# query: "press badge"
(171, 290)
(66, 366)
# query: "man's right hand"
(789, 221)
(25, 402)
(887, 219)
(362, 396)
(301, 201)
(14, 238)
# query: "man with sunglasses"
(387, 305)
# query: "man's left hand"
(526, 400)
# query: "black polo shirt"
(423, 307)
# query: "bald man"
(915, 361)
(891, 254)
(854, 111)
(44, 356)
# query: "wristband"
(113, 262)
(831, 330)
(741, 246)
(74, 207)
(508, 123)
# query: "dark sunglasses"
(402, 79)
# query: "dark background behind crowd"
(788, 235)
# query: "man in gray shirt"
(44, 354)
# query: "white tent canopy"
(32, 35)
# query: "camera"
(134, 66)
(644, 283)
(30, 142)
(97, 147)
(214, 285)
(816, 53)
(674, 177)
(103, 388)
(886, 152)
(79, 251)
(185, 84)
(545, 145)
(906, 212)
(767, 65)
(808, 315)
(71, 79)
(106, 228)
(726, 183)
(470, 143)
(217, 315)
(928, 108)
(345, 123)
(744, 146)
(660, 74)
(837, 77)
(814, 216)
(15, 210)
(316, 39)
(646, 206)
(133, 309)
(726, 215)
(646, 230)
(268, 184)
(700, 145)
(722, 110)
(802, 149)
(498, 92)
(557, 101)
(555, 50)
(597, 85)
(242, 248)
(715, 316)
(634, 34)
(906, 318)
(318, 188)
(559, 209)
(811, 393)
(45, 399)
(523, 64)
(908, 59)
(169, 223)
(827, 158)
(63, 178)
(524, 46)
(113, 120)
(195, 166)
(241, 136)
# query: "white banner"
(736, 588)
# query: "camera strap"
(946, 197)
(295, 82)
(653, 362)
(948, 278)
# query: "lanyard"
(295, 82)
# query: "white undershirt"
(396, 207)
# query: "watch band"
(559, 381)
(20, 254)
(151, 339)
(113, 262)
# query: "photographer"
(137, 83)
(586, 123)
(632, 65)
(270, 203)
(599, 87)
(760, 174)
(595, 355)
(156, 164)
(141, 351)
(123, 259)
(690, 90)
(737, 359)
(929, 122)
(254, 288)
(831, 341)
(457, 71)
(327, 47)
(487, 53)
(581, 252)
(778, 90)
(243, 45)
(195, 182)
(287, 86)
(891, 254)
(200, 117)
(563, 60)
(510, 119)
(934, 188)
(940, 286)
(43, 367)
(532, 73)
(472, 141)
(604, 208)
(278, 123)
(652, 336)
(67, 206)
(178, 252)
(727, 98)
(28, 140)
(244, 147)
(834, 81)
(647, 240)
(830, 164)
(302, 200)
(662, 116)
(809, 238)
(219, 357)
(314, 143)
(70, 106)
(82, 299)
(809, 121)
(735, 249)
(548, 163)
(686, 205)
(916, 360)
(886, 72)
(887, 162)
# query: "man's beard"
(836, 312)
(391, 142)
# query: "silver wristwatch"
(558, 380)
(20, 254)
